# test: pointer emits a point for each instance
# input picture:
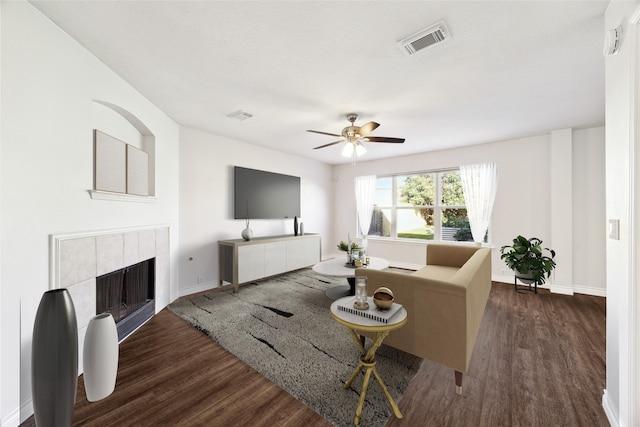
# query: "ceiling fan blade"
(324, 133)
(367, 128)
(385, 139)
(329, 144)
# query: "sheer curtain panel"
(479, 184)
(365, 187)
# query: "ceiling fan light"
(354, 137)
(347, 151)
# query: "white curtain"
(365, 187)
(479, 184)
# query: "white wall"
(206, 200)
(622, 75)
(522, 204)
(589, 219)
(49, 84)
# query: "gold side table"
(354, 323)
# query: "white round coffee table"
(337, 267)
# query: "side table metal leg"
(367, 361)
(394, 406)
(354, 375)
(358, 341)
(365, 384)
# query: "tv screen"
(265, 195)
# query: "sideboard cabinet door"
(250, 263)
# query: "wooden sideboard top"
(265, 239)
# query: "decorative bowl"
(383, 298)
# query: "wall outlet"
(199, 279)
(614, 229)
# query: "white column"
(561, 210)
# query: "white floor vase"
(100, 357)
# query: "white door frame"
(633, 301)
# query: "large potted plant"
(529, 260)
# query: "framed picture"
(137, 171)
(110, 161)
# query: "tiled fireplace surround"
(78, 258)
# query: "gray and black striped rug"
(282, 328)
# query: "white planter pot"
(100, 357)
(526, 278)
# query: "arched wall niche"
(120, 123)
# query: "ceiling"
(510, 69)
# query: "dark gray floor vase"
(54, 360)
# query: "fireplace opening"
(128, 294)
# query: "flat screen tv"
(265, 195)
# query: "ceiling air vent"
(421, 40)
(240, 115)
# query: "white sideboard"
(242, 261)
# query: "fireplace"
(79, 259)
(128, 294)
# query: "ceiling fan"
(354, 136)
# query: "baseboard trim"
(26, 410)
(502, 279)
(598, 292)
(563, 290)
(18, 415)
(556, 289)
(201, 287)
(12, 419)
(609, 411)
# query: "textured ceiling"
(511, 69)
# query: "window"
(422, 206)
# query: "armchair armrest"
(436, 324)
(449, 255)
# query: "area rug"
(282, 328)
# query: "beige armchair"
(445, 302)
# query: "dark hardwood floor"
(539, 361)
